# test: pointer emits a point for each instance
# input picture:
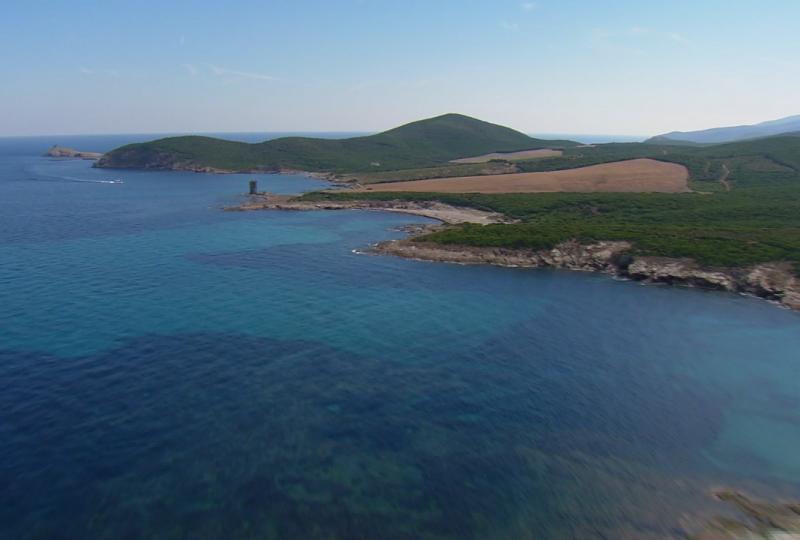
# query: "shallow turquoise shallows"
(172, 371)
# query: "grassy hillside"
(758, 220)
(705, 162)
(419, 144)
(441, 171)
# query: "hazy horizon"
(250, 136)
(630, 69)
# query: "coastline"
(444, 213)
(189, 167)
(419, 209)
(771, 281)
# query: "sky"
(543, 66)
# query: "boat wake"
(48, 178)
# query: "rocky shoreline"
(771, 281)
(431, 209)
(775, 281)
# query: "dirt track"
(637, 175)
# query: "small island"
(57, 151)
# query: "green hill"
(418, 144)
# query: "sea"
(170, 370)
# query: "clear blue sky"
(577, 66)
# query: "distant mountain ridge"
(790, 124)
(422, 143)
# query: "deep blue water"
(172, 371)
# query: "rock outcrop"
(774, 281)
(680, 272)
(763, 521)
(570, 255)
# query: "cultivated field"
(511, 156)
(636, 175)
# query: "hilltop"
(731, 133)
(423, 143)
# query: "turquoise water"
(170, 370)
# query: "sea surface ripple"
(173, 371)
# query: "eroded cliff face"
(570, 255)
(773, 281)
(679, 272)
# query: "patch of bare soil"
(636, 175)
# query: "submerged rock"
(762, 521)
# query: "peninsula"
(724, 216)
(419, 144)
